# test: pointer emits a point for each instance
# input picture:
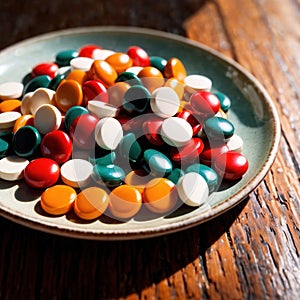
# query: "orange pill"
(116, 93)
(138, 179)
(58, 199)
(78, 75)
(10, 105)
(176, 85)
(23, 121)
(125, 201)
(151, 78)
(68, 94)
(175, 68)
(160, 195)
(119, 61)
(103, 71)
(91, 203)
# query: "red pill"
(190, 118)
(151, 129)
(94, 90)
(231, 165)
(139, 56)
(57, 145)
(188, 152)
(42, 173)
(47, 68)
(211, 151)
(82, 131)
(205, 103)
(88, 50)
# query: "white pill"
(235, 143)
(63, 70)
(135, 69)
(164, 102)
(11, 90)
(26, 103)
(192, 189)
(195, 83)
(76, 172)
(101, 109)
(47, 118)
(102, 54)
(176, 131)
(8, 119)
(12, 167)
(108, 133)
(40, 97)
(81, 63)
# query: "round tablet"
(108, 133)
(26, 103)
(39, 97)
(235, 143)
(192, 189)
(81, 63)
(195, 83)
(101, 109)
(8, 119)
(11, 90)
(102, 54)
(176, 131)
(165, 102)
(47, 118)
(76, 172)
(12, 167)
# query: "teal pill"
(72, 113)
(26, 141)
(64, 57)
(156, 163)
(129, 149)
(54, 83)
(225, 101)
(136, 99)
(158, 63)
(41, 81)
(218, 128)
(175, 175)
(130, 78)
(102, 156)
(3, 148)
(210, 176)
(110, 175)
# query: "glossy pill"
(12, 167)
(235, 143)
(37, 82)
(139, 56)
(94, 90)
(193, 189)
(23, 121)
(103, 71)
(175, 175)
(77, 75)
(119, 61)
(194, 83)
(81, 63)
(26, 103)
(151, 78)
(91, 203)
(205, 103)
(218, 128)
(158, 63)
(231, 165)
(39, 97)
(211, 150)
(109, 175)
(116, 93)
(58, 199)
(160, 195)
(151, 129)
(102, 54)
(64, 57)
(136, 99)
(37, 179)
(10, 105)
(72, 113)
(3, 147)
(11, 90)
(47, 68)
(130, 78)
(138, 178)
(176, 85)
(225, 101)
(175, 68)
(129, 148)
(88, 50)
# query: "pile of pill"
(106, 131)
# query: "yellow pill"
(125, 201)
(23, 121)
(103, 71)
(68, 94)
(78, 75)
(91, 203)
(176, 85)
(10, 105)
(160, 195)
(58, 199)
(175, 68)
(119, 61)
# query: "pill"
(119, 61)
(37, 82)
(39, 97)
(88, 50)
(108, 133)
(4, 145)
(116, 93)
(76, 172)
(58, 199)
(130, 78)
(176, 131)
(12, 167)
(26, 141)
(23, 121)
(101, 156)
(103, 71)
(81, 63)
(151, 78)
(102, 54)
(109, 175)
(46, 68)
(94, 90)
(139, 56)
(211, 150)
(135, 70)
(218, 128)
(164, 102)
(72, 113)
(151, 130)
(175, 175)
(37, 179)
(91, 203)
(205, 103)
(138, 178)
(64, 57)
(47, 118)
(194, 83)
(8, 119)
(225, 101)
(77, 75)
(160, 195)
(175, 68)
(176, 85)
(102, 109)
(191, 119)
(158, 63)
(26, 104)
(10, 105)
(235, 143)
(11, 90)
(193, 189)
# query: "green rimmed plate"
(253, 114)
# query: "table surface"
(250, 252)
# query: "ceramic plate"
(252, 113)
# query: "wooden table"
(251, 252)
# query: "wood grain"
(250, 252)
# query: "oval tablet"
(235, 143)
(39, 97)
(81, 63)
(192, 189)
(12, 167)
(11, 90)
(101, 109)
(195, 83)
(8, 119)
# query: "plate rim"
(190, 221)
